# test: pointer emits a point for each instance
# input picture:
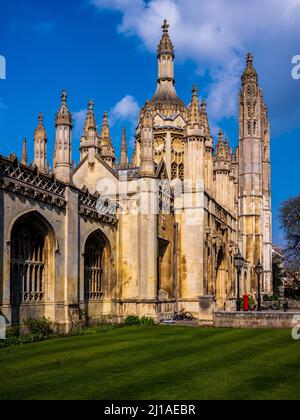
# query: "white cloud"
(216, 34)
(125, 113)
(79, 118)
(127, 110)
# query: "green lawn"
(155, 363)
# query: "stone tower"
(254, 194)
(63, 142)
(40, 146)
(192, 221)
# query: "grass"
(155, 363)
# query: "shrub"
(39, 327)
(13, 331)
(135, 320)
(270, 298)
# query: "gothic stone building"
(143, 237)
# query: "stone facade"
(143, 237)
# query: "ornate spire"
(40, 145)
(223, 150)
(124, 154)
(250, 74)
(146, 117)
(147, 168)
(194, 113)
(165, 46)
(40, 132)
(63, 142)
(204, 117)
(107, 150)
(90, 118)
(64, 117)
(24, 153)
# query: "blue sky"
(105, 49)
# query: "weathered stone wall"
(254, 319)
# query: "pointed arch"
(32, 264)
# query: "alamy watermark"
(296, 327)
(2, 68)
(296, 68)
(2, 328)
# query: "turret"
(194, 143)
(63, 142)
(222, 169)
(147, 168)
(254, 174)
(40, 146)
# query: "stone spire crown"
(204, 117)
(40, 132)
(64, 117)
(90, 118)
(194, 113)
(250, 74)
(165, 45)
(223, 150)
(107, 150)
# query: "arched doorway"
(32, 272)
(96, 272)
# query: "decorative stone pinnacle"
(64, 96)
(41, 119)
(91, 105)
(195, 90)
(165, 26)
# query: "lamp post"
(259, 271)
(238, 263)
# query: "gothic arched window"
(95, 266)
(32, 248)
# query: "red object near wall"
(246, 303)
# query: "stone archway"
(31, 266)
(97, 271)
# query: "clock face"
(177, 145)
(159, 145)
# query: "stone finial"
(124, 154)
(165, 46)
(63, 116)
(40, 132)
(90, 118)
(24, 159)
(250, 74)
(107, 150)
